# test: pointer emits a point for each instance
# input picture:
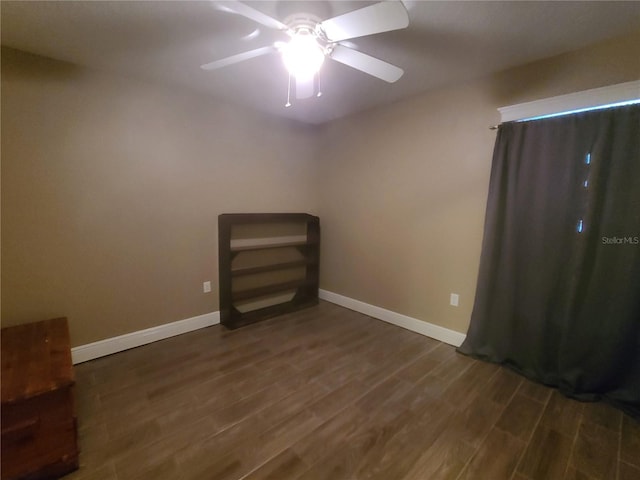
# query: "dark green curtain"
(558, 295)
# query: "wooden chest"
(39, 434)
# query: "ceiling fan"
(311, 40)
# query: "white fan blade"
(366, 63)
(241, 57)
(251, 13)
(376, 18)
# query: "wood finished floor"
(327, 393)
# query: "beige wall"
(111, 190)
(404, 187)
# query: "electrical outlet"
(206, 287)
(454, 299)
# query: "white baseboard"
(108, 346)
(90, 351)
(424, 328)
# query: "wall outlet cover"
(454, 299)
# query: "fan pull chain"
(318, 91)
(288, 104)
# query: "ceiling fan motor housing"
(306, 22)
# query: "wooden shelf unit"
(238, 272)
(265, 273)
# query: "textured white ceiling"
(446, 42)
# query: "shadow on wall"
(61, 72)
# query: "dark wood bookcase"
(268, 265)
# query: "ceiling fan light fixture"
(303, 56)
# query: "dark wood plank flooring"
(327, 393)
